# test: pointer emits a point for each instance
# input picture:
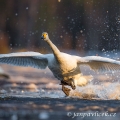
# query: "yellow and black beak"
(43, 36)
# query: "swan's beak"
(42, 37)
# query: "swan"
(65, 67)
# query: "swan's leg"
(72, 84)
(64, 83)
(65, 90)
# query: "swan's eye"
(46, 33)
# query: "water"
(35, 94)
(30, 82)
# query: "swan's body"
(65, 67)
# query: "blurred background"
(79, 25)
(82, 27)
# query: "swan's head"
(45, 36)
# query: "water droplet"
(81, 31)
(43, 115)
(26, 8)
(22, 91)
(16, 14)
(61, 36)
(103, 49)
(14, 117)
(68, 17)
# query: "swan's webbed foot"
(73, 87)
(66, 90)
(70, 83)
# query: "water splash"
(103, 92)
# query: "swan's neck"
(54, 48)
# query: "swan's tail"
(84, 80)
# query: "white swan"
(65, 67)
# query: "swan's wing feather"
(32, 59)
(98, 63)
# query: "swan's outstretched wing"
(32, 59)
(3, 74)
(98, 63)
